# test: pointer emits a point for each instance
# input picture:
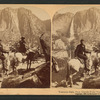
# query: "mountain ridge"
(86, 25)
(17, 22)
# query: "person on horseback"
(22, 48)
(2, 57)
(80, 52)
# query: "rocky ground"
(93, 81)
(59, 80)
(40, 77)
(88, 81)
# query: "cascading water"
(71, 31)
(71, 37)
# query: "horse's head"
(55, 66)
(91, 58)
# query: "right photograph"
(76, 47)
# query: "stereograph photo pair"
(49, 47)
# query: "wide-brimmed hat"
(22, 37)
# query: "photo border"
(56, 97)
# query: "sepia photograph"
(25, 37)
(76, 47)
(50, 49)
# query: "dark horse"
(31, 56)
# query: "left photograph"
(25, 40)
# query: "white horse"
(78, 67)
(13, 60)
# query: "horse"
(95, 57)
(31, 56)
(74, 66)
(15, 59)
(12, 59)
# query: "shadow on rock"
(92, 82)
(38, 78)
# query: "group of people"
(80, 51)
(22, 49)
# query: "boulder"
(92, 82)
(38, 78)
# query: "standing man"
(80, 52)
(22, 47)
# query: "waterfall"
(72, 31)
(71, 37)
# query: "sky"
(40, 13)
(47, 11)
(74, 9)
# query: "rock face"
(15, 23)
(87, 20)
(39, 78)
(82, 24)
(61, 24)
(30, 26)
(9, 29)
(68, 29)
(92, 82)
(87, 24)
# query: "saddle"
(81, 60)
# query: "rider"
(2, 57)
(22, 47)
(80, 52)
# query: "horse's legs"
(95, 68)
(13, 68)
(3, 67)
(69, 76)
(27, 64)
(30, 64)
(70, 80)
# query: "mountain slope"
(15, 23)
(61, 24)
(73, 27)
